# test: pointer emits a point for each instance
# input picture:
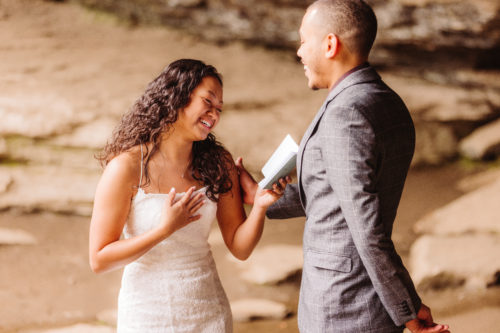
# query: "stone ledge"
(474, 212)
(440, 262)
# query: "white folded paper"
(280, 164)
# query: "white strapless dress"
(175, 286)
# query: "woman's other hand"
(248, 185)
(177, 214)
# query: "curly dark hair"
(154, 113)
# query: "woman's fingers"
(187, 196)
(194, 200)
(192, 203)
(171, 197)
(197, 205)
(194, 218)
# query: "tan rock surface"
(78, 328)
(486, 320)
(254, 308)
(36, 114)
(271, 264)
(441, 262)
(5, 181)
(93, 134)
(442, 102)
(108, 317)
(474, 212)
(478, 180)
(3, 147)
(98, 67)
(50, 188)
(483, 142)
(16, 237)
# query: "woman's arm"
(111, 208)
(241, 233)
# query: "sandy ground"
(100, 66)
(51, 285)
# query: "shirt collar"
(349, 72)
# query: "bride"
(166, 179)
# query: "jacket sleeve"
(288, 205)
(350, 154)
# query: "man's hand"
(248, 185)
(424, 323)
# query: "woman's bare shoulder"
(126, 165)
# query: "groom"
(351, 166)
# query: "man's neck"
(343, 70)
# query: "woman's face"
(202, 113)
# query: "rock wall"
(411, 32)
(445, 45)
(66, 77)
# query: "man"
(351, 166)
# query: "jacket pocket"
(329, 261)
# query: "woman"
(164, 144)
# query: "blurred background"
(70, 69)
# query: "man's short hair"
(352, 21)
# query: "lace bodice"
(191, 240)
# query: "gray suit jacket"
(352, 165)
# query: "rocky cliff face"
(428, 33)
(438, 49)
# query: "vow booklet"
(280, 164)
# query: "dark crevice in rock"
(250, 105)
(12, 162)
(441, 281)
(495, 281)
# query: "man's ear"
(332, 45)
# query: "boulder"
(50, 188)
(440, 262)
(24, 150)
(35, 115)
(474, 182)
(271, 264)
(484, 142)
(435, 143)
(475, 212)
(16, 237)
(444, 103)
(90, 135)
(443, 113)
(254, 308)
(5, 182)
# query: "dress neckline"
(178, 193)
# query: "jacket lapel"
(361, 76)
